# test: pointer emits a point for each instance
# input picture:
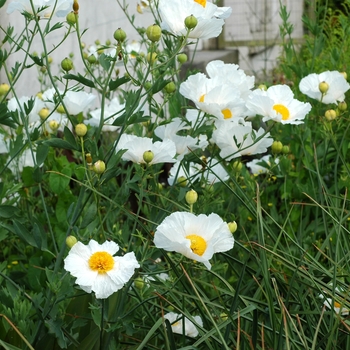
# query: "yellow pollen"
(201, 99)
(201, 2)
(336, 304)
(282, 110)
(101, 262)
(227, 113)
(198, 244)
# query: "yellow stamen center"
(201, 99)
(336, 304)
(201, 2)
(101, 262)
(226, 113)
(198, 244)
(282, 110)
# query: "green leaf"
(80, 79)
(8, 346)
(8, 211)
(58, 181)
(68, 135)
(89, 215)
(2, 3)
(22, 232)
(114, 84)
(104, 62)
(59, 143)
(41, 153)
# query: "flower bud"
(342, 106)
(88, 158)
(75, 6)
(148, 156)
(60, 109)
(237, 166)
(285, 149)
(71, 18)
(99, 167)
(54, 125)
(151, 58)
(191, 22)
(182, 58)
(323, 87)
(139, 283)
(71, 241)
(330, 114)
(119, 35)
(232, 226)
(154, 32)
(277, 147)
(182, 181)
(81, 129)
(44, 113)
(67, 64)
(262, 87)
(92, 59)
(4, 88)
(148, 85)
(191, 197)
(170, 87)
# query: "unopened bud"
(4, 88)
(81, 129)
(342, 106)
(67, 64)
(119, 35)
(170, 87)
(92, 59)
(330, 114)
(154, 32)
(277, 147)
(139, 283)
(191, 22)
(151, 58)
(99, 167)
(54, 125)
(71, 18)
(148, 85)
(237, 166)
(285, 149)
(88, 158)
(191, 197)
(60, 109)
(182, 58)
(148, 156)
(44, 113)
(323, 87)
(71, 241)
(182, 181)
(232, 226)
(75, 6)
(262, 87)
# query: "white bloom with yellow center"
(196, 237)
(337, 86)
(177, 326)
(97, 269)
(210, 17)
(135, 146)
(239, 139)
(278, 104)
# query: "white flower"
(196, 237)
(61, 7)
(184, 144)
(278, 104)
(309, 86)
(176, 321)
(212, 172)
(78, 101)
(258, 166)
(164, 152)
(97, 270)
(210, 17)
(25, 159)
(143, 6)
(235, 140)
(133, 49)
(330, 302)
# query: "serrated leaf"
(114, 84)
(104, 62)
(80, 79)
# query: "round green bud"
(151, 58)
(53, 124)
(342, 106)
(92, 59)
(237, 166)
(71, 18)
(191, 22)
(119, 35)
(60, 109)
(99, 167)
(170, 87)
(182, 181)
(323, 87)
(277, 147)
(4, 89)
(262, 87)
(148, 156)
(71, 241)
(154, 32)
(148, 85)
(182, 58)
(191, 197)
(44, 113)
(67, 64)
(285, 149)
(232, 226)
(139, 283)
(108, 42)
(81, 129)
(330, 114)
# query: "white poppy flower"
(210, 17)
(61, 7)
(278, 104)
(176, 321)
(78, 101)
(196, 237)
(235, 140)
(330, 302)
(337, 86)
(257, 166)
(163, 152)
(97, 270)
